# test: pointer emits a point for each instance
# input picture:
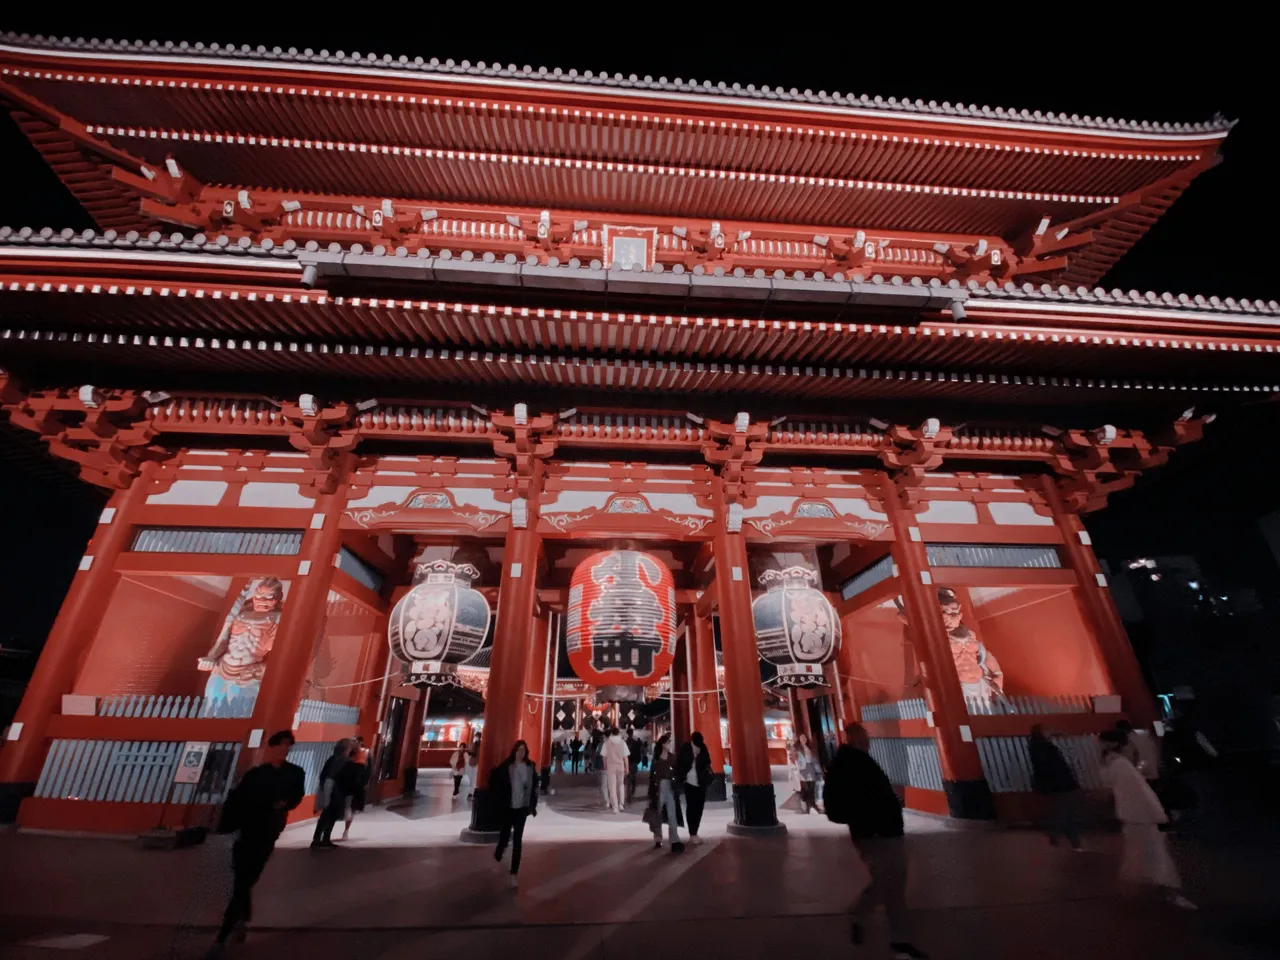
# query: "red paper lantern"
(621, 622)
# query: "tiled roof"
(466, 261)
(678, 87)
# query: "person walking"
(1146, 860)
(635, 757)
(473, 763)
(256, 810)
(693, 774)
(557, 756)
(808, 769)
(358, 778)
(859, 795)
(617, 758)
(514, 787)
(458, 767)
(664, 802)
(331, 795)
(575, 753)
(1053, 778)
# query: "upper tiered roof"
(949, 191)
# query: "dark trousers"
(457, 783)
(574, 763)
(328, 817)
(248, 858)
(695, 798)
(886, 860)
(512, 832)
(1064, 817)
(631, 783)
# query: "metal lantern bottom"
(800, 675)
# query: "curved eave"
(262, 66)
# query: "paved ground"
(592, 887)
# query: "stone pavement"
(593, 887)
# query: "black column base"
(969, 799)
(486, 819)
(755, 813)
(11, 797)
(718, 788)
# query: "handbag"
(653, 817)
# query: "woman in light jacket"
(1146, 860)
(807, 769)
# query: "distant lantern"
(797, 628)
(442, 619)
(620, 630)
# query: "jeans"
(668, 801)
(512, 832)
(695, 798)
(886, 859)
(248, 858)
(615, 787)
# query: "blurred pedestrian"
(357, 780)
(458, 767)
(513, 784)
(616, 758)
(860, 795)
(693, 774)
(575, 753)
(1053, 778)
(1146, 860)
(635, 757)
(808, 770)
(256, 810)
(473, 765)
(664, 802)
(335, 785)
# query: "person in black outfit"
(575, 753)
(635, 752)
(1053, 777)
(257, 809)
(693, 774)
(513, 785)
(339, 779)
(860, 795)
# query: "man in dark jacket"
(575, 753)
(859, 794)
(635, 751)
(693, 776)
(1053, 778)
(257, 809)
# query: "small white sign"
(76, 705)
(15, 731)
(191, 761)
(966, 734)
(255, 739)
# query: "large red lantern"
(621, 622)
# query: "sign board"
(191, 762)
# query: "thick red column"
(74, 630)
(548, 701)
(967, 792)
(681, 721)
(706, 697)
(535, 681)
(754, 808)
(1112, 639)
(504, 700)
(411, 744)
(302, 617)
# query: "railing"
(317, 711)
(1028, 706)
(909, 761)
(1006, 762)
(913, 709)
(166, 706)
(311, 758)
(129, 771)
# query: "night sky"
(1217, 240)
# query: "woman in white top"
(1146, 860)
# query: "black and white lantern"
(797, 628)
(442, 619)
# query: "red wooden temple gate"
(346, 316)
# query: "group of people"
(340, 794)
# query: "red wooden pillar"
(754, 808)
(74, 630)
(411, 747)
(535, 682)
(504, 699)
(303, 616)
(548, 706)
(705, 703)
(681, 721)
(962, 778)
(1112, 639)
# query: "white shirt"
(616, 754)
(692, 777)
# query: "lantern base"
(755, 813)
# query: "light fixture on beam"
(156, 396)
(308, 405)
(91, 398)
(929, 429)
(365, 405)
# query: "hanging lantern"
(442, 619)
(797, 629)
(621, 623)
